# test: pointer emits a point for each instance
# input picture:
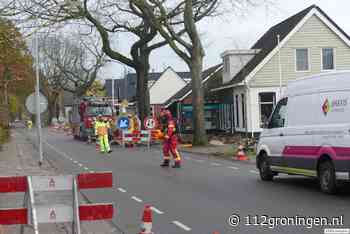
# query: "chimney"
(234, 61)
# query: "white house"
(168, 84)
(309, 42)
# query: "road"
(198, 198)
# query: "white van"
(308, 132)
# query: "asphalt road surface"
(200, 197)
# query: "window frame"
(308, 58)
(266, 103)
(334, 59)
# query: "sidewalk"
(18, 157)
(220, 151)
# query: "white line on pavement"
(216, 164)
(183, 226)
(254, 172)
(122, 190)
(156, 210)
(86, 169)
(234, 168)
(136, 199)
(75, 162)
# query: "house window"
(267, 102)
(327, 59)
(237, 112)
(302, 59)
(243, 110)
(227, 64)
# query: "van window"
(279, 115)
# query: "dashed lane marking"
(136, 199)
(254, 172)
(234, 168)
(181, 225)
(216, 164)
(156, 210)
(75, 162)
(122, 190)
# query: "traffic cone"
(146, 227)
(241, 155)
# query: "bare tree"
(187, 46)
(108, 18)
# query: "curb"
(208, 155)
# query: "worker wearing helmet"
(170, 139)
(101, 131)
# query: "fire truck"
(83, 123)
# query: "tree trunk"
(142, 93)
(199, 132)
(141, 55)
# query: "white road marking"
(156, 210)
(136, 199)
(71, 159)
(234, 168)
(122, 190)
(75, 162)
(183, 226)
(216, 164)
(254, 172)
(86, 169)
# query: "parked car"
(308, 132)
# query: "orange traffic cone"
(146, 227)
(241, 155)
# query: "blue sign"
(123, 123)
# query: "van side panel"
(299, 150)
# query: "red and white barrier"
(34, 214)
(137, 137)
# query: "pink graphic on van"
(326, 107)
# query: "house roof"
(188, 88)
(268, 41)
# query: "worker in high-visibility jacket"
(101, 131)
(170, 140)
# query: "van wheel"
(264, 168)
(327, 177)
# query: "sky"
(237, 30)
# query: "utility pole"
(38, 115)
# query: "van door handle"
(281, 134)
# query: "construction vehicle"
(83, 123)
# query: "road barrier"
(35, 212)
(137, 137)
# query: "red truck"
(84, 113)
